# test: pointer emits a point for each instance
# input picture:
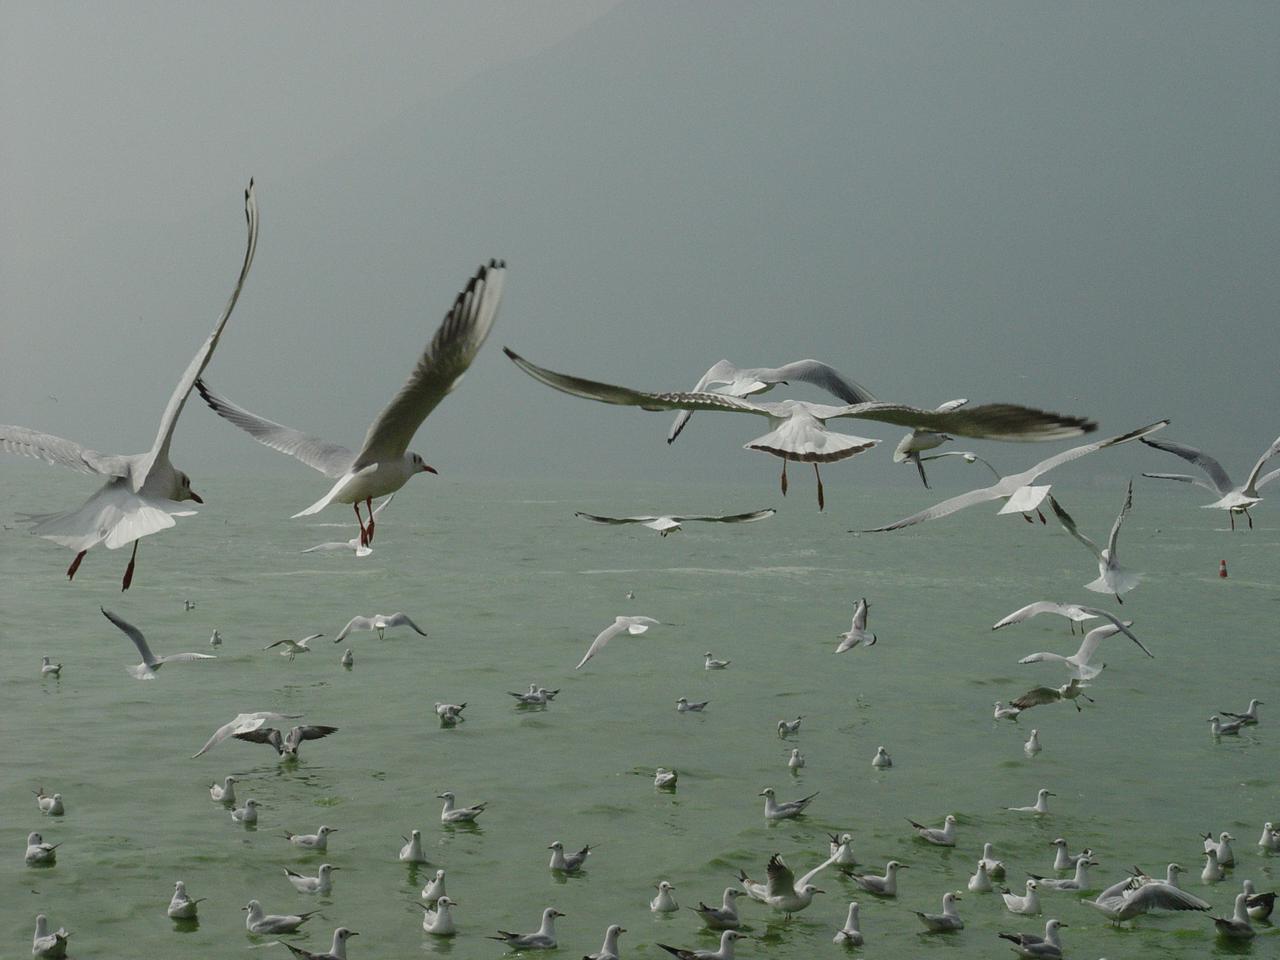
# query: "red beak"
(427, 468)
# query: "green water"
(511, 589)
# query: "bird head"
(184, 489)
(420, 466)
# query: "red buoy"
(1222, 569)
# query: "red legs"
(364, 534)
(784, 478)
(368, 505)
(75, 564)
(821, 502)
(128, 571)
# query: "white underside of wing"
(114, 516)
(807, 440)
(1025, 499)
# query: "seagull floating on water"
(1270, 839)
(723, 917)
(849, 934)
(215, 639)
(146, 670)
(684, 705)
(384, 464)
(454, 814)
(411, 852)
(337, 951)
(543, 939)
(725, 951)
(886, 886)
(1250, 716)
(260, 922)
(1002, 712)
(882, 758)
(796, 760)
(437, 917)
(669, 523)
(48, 943)
(665, 779)
(321, 883)
(995, 868)
(1238, 926)
(181, 906)
(248, 813)
(945, 922)
(450, 714)
(50, 804)
(711, 663)
(1040, 806)
(946, 837)
(631, 625)
(1234, 499)
(789, 728)
(841, 849)
(1063, 859)
(567, 862)
(1028, 904)
(609, 949)
(311, 841)
(1224, 728)
(1048, 947)
(1032, 746)
(785, 810)
(39, 852)
(664, 902)
(1073, 884)
(1221, 848)
(144, 491)
(1259, 905)
(980, 882)
(434, 888)
(49, 669)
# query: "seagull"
(995, 868)
(1040, 806)
(945, 922)
(215, 639)
(411, 852)
(434, 889)
(49, 669)
(1072, 611)
(1028, 904)
(50, 804)
(321, 883)
(609, 950)
(1259, 905)
(632, 625)
(849, 934)
(1032, 746)
(785, 810)
(946, 837)
(226, 793)
(1078, 882)
(1016, 488)
(567, 863)
(789, 728)
(287, 746)
(669, 523)
(724, 378)
(1221, 847)
(841, 847)
(799, 430)
(783, 890)
(1064, 860)
(886, 886)
(1048, 947)
(857, 634)
(294, 647)
(248, 813)
(543, 939)
(1249, 716)
(39, 852)
(536, 697)
(354, 544)
(181, 906)
(338, 951)
(882, 758)
(1223, 728)
(796, 760)
(143, 491)
(1037, 696)
(379, 623)
(437, 917)
(1270, 839)
(347, 659)
(1112, 578)
(711, 663)
(48, 943)
(1006, 713)
(450, 714)
(1234, 499)
(725, 952)
(1213, 871)
(1139, 878)
(684, 706)
(723, 917)
(188, 605)
(262, 923)
(146, 670)
(910, 447)
(1078, 663)
(664, 902)
(383, 464)
(1238, 927)
(665, 779)
(452, 814)
(1121, 902)
(980, 882)
(311, 841)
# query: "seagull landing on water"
(1234, 499)
(243, 723)
(384, 463)
(882, 758)
(379, 623)
(670, 523)
(799, 429)
(1072, 690)
(857, 634)
(632, 625)
(286, 746)
(784, 891)
(143, 491)
(1112, 578)
(294, 647)
(1072, 884)
(146, 670)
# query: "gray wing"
(1218, 476)
(731, 518)
(992, 421)
(355, 623)
(1069, 525)
(1271, 451)
(1183, 478)
(1034, 609)
(1162, 896)
(331, 459)
(968, 458)
(624, 396)
(439, 369)
(307, 732)
(596, 519)
(173, 409)
(1266, 479)
(134, 634)
(1115, 527)
(782, 882)
(945, 508)
(1036, 697)
(242, 723)
(818, 374)
(720, 372)
(402, 620)
(260, 735)
(66, 453)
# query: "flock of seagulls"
(143, 493)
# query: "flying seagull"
(631, 625)
(1234, 499)
(146, 670)
(1112, 578)
(670, 523)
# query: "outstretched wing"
(608, 633)
(65, 453)
(1218, 476)
(134, 634)
(402, 620)
(1115, 527)
(993, 421)
(355, 623)
(1183, 478)
(731, 518)
(1271, 451)
(1036, 697)
(1069, 525)
(1163, 896)
(782, 881)
(615, 520)
(243, 723)
(173, 409)
(331, 459)
(808, 877)
(440, 367)
(1069, 610)
(307, 732)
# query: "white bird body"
(1221, 848)
(379, 623)
(796, 760)
(849, 934)
(48, 668)
(857, 634)
(1212, 871)
(1225, 728)
(1259, 905)
(1250, 716)
(886, 886)
(723, 917)
(181, 906)
(384, 463)
(980, 882)
(347, 659)
(259, 922)
(450, 813)
(609, 949)
(215, 639)
(631, 625)
(1063, 859)
(1122, 901)
(664, 902)
(50, 804)
(294, 647)
(143, 492)
(946, 837)
(337, 951)
(783, 890)
(841, 849)
(543, 939)
(724, 952)
(882, 758)
(669, 523)
(665, 779)
(1112, 577)
(785, 810)
(711, 663)
(51, 944)
(1041, 806)
(789, 728)
(321, 883)
(248, 813)
(146, 670)
(1078, 664)
(1238, 926)
(1001, 712)
(312, 841)
(1232, 498)
(411, 852)
(567, 862)
(1080, 881)
(437, 917)
(1270, 838)
(1028, 904)
(40, 853)
(1048, 947)
(995, 868)
(685, 705)
(1032, 746)
(917, 441)
(434, 888)
(945, 922)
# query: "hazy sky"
(1075, 205)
